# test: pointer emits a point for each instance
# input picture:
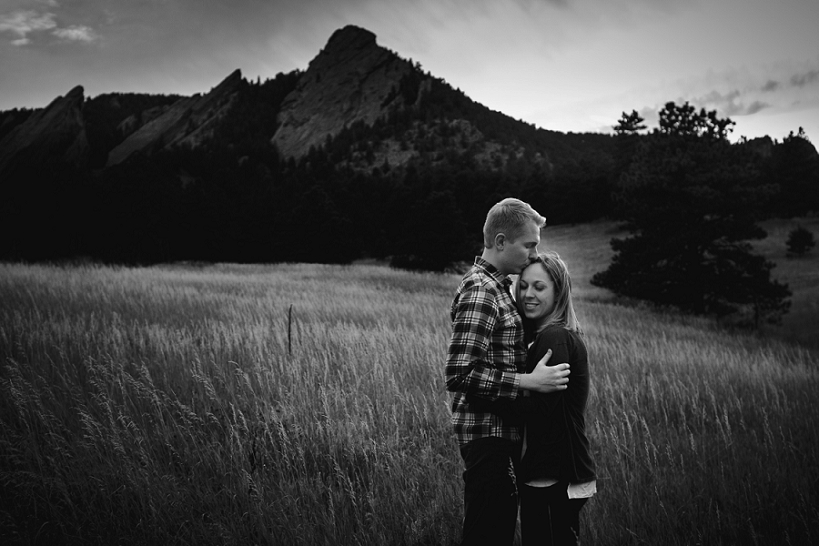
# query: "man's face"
(519, 252)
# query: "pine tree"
(689, 200)
(800, 241)
(794, 166)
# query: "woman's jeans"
(548, 516)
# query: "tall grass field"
(305, 404)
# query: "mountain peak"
(350, 80)
(232, 80)
(77, 94)
(188, 121)
(350, 37)
(54, 131)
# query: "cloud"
(801, 80)
(723, 102)
(729, 104)
(23, 22)
(76, 33)
(796, 80)
(726, 104)
(755, 107)
(558, 3)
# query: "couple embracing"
(519, 421)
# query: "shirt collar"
(493, 272)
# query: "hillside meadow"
(305, 404)
(587, 246)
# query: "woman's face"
(536, 292)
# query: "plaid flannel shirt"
(486, 351)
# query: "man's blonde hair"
(509, 217)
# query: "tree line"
(690, 198)
(691, 202)
(234, 198)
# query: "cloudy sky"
(566, 65)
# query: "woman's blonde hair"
(563, 313)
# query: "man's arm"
(474, 318)
(545, 378)
(521, 409)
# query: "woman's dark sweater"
(556, 442)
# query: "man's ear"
(500, 240)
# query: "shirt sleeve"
(474, 318)
(536, 406)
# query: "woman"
(556, 473)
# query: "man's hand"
(545, 378)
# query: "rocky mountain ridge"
(56, 131)
(370, 148)
(361, 155)
(350, 80)
(188, 122)
(351, 83)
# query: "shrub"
(800, 241)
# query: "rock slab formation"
(187, 122)
(56, 132)
(348, 81)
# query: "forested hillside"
(141, 179)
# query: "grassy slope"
(801, 324)
(161, 405)
(586, 249)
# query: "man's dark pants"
(490, 493)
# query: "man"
(486, 357)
